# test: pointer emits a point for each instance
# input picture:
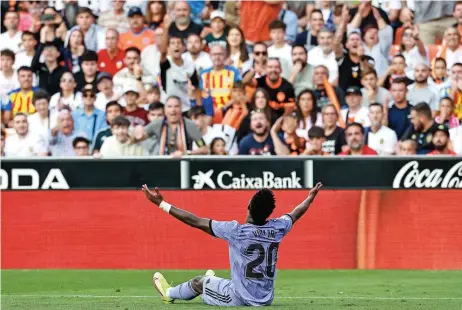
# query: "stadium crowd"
(131, 78)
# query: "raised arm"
(182, 215)
(301, 209)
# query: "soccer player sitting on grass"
(253, 250)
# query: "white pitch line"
(282, 297)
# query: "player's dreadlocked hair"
(262, 205)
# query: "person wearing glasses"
(81, 146)
(67, 96)
(88, 120)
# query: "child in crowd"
(285, 139)
(218, 25)
(446, 115)
(218, 146)
(280, 49)
(236, 109)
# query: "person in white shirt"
(355, 112)
(420, 90)
(24, 143)
(237, 50)
(380, 138)
(42, 121)
(413, 49)
(119, 143)
(456, 138)
(324, 54)
(150, 56)
(11, 38)
(195, 54)
(24, 56)
(280, 49)
(453, 51)
(8, 77)
(106, 91)
(67, 97)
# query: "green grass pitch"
(295, 289)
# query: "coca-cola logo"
(410, 176)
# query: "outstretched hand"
(153, 196)
(314, 191)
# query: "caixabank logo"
(227, 180)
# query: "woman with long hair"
(307, 113)
(73, 51)
(155, 12)
(259, 101)
(237, 50)
(413, 49)
(218, 146)
(67, 97)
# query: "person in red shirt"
(354, 134)
(135, 114)
(441, 142)
(111, 59)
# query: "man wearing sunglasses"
(89, 120)
(260, 58)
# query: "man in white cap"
(135, 114)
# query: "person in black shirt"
(49, 72)
(349, 61)
(423, 128)
(399, 113)
(281, 92)
(395, 70)
(365, 15)
(335, 136)
(183, 26)
(89, 71)
(309, 38)
(113, 109)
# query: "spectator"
(73, 51)
(280, 49)
(324, 54)
(355, 113)
(423, 128)
(217, 146)
(400, 111)
(24, 142)
(441, 142)
(447, 117)
(106, 91)
(12, 35)
(259, 101)
(439, 71)
(88, 120)
(335, 136)
(378, 41)
(43, 120)
(111, 59)
(456, 139)
(94, 34)
(53, 27)
(452, 51)
(366, 14)
(307, 113)
(407, 147)
(290, 19)
(198, 116)
(50, 71)
(372, 92)
(218, 34)
(119, 144)
(182, 26)
(379, 137)
(8, 76)
(317, 138)
(155, 111)
(309, 37)
(433, 17)
(24, 57)
(133, 73)
(236, 109)
(458, 16)
(20, 99)
(258, 69)
(115, 18)
(2, 143)
(195, 54)
(215, 96)
(453, 89)
(150, 56)
(89, 71)
(259, 141)
(177, 76)
(354, 133)
(349, 61)
(113, 109)
(421, 90)
(138, 35)
(320, 75)
(302, 71)
(237, 50)
(155, 12)
(152, 95)
(395, 70)
(413, 49)
(284, 137)
(281, 92)
(181, 132)
(81, 146)
(67, 96)
(135, 114)
(256, 29)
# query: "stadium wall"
(410, 229)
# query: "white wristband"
(165, 206)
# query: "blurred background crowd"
(139, 78)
